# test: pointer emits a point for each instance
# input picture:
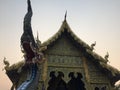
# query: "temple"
(63, 62)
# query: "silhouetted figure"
(61, 85)
(80, 84)
(72, 83)
(52, 81)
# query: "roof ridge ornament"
(65, 15)
(92, 46)
(106, 57)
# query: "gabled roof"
(65, 27)
(112, 72)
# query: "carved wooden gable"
(63, 56)
(63, 46)
(66, 57)
(97, 78)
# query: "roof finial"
(65, 15)
(38, 42)
(37, 35)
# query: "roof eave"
(65, 27)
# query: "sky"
(90, 20)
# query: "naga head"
(27, 39)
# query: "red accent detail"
(29, 52)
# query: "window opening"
(72, 83)
(96, 88)
(52, 81)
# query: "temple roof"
(65, 28)
(112, 72)
(87, 49)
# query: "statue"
(32, 54)
(27, 34)
(29, 46)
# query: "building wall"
(64, 56)
(97, 78)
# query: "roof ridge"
(65, 26)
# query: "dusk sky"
(90, 20)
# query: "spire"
(65, 15)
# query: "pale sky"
(90, 20)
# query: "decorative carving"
(6, 63)
(92, 66)
(63, 46)
(32, 55)
(57, 82)
(65, 60)
(76, 83)
(100, 86)
(92, 46)
(66, 71)
(72, 82)
(106, 57)
(95, 74)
